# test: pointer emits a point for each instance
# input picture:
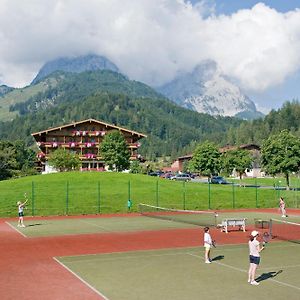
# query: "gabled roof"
(90, 121)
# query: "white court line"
(244, 271)
(280, 267)
(119, 258)
(20, 232)
(81, 279)
(83, 221)
(218, 249)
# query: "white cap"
(254, 233)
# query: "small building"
(178, 165)
(83, 138)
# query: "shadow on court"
(219, 257)
(268, 275)
(37, 224)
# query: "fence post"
(233, 196)
(256, 194)
(32, 197)
(209, 195)
(157, 192)
(67, 199)
(98, 197)
(129, 190)
(184, 195)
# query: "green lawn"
(107, 192)
(181, 273)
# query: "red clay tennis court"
(136, 257)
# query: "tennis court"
(43, 227)
(182, 274)
(136, 257)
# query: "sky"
(255, 43)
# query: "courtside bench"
(239, 223)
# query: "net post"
(271, 228)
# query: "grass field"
(91, 192)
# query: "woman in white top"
(282, 207)
(207, 245)
(21, 211)
(254, 249)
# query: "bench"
(240, 223)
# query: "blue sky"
(230, 6)
(256, 43)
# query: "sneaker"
(283, 216)
(208, 262)
(23, 226)
(249, 280)
(254, 282)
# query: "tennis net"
(195, 217)
(285, 230)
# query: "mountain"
(206, 90)
(113, 98)
(75, 65)
(4, 89)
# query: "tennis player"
(21, 211)
(282, 207)
(254, 249)
(208, 242)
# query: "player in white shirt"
(254, 255)
(21, 211)
(282, 207)
(208, 242)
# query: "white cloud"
(149, 40)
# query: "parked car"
(218, 180)
(167, 175)
(157, 173)
(182, 177)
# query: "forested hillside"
(288, 117)
(169, 127)
(110, 97)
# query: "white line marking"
(83, 221)
(244, 271)
(280, 267)
(20, 232)
(81, 279)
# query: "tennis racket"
(266, 238)
(214, 244)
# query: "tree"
(281, 154)
(114, 151)
(237, 159)
(135, 167)
(63, 160)
(206, 159)
(8, 163)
